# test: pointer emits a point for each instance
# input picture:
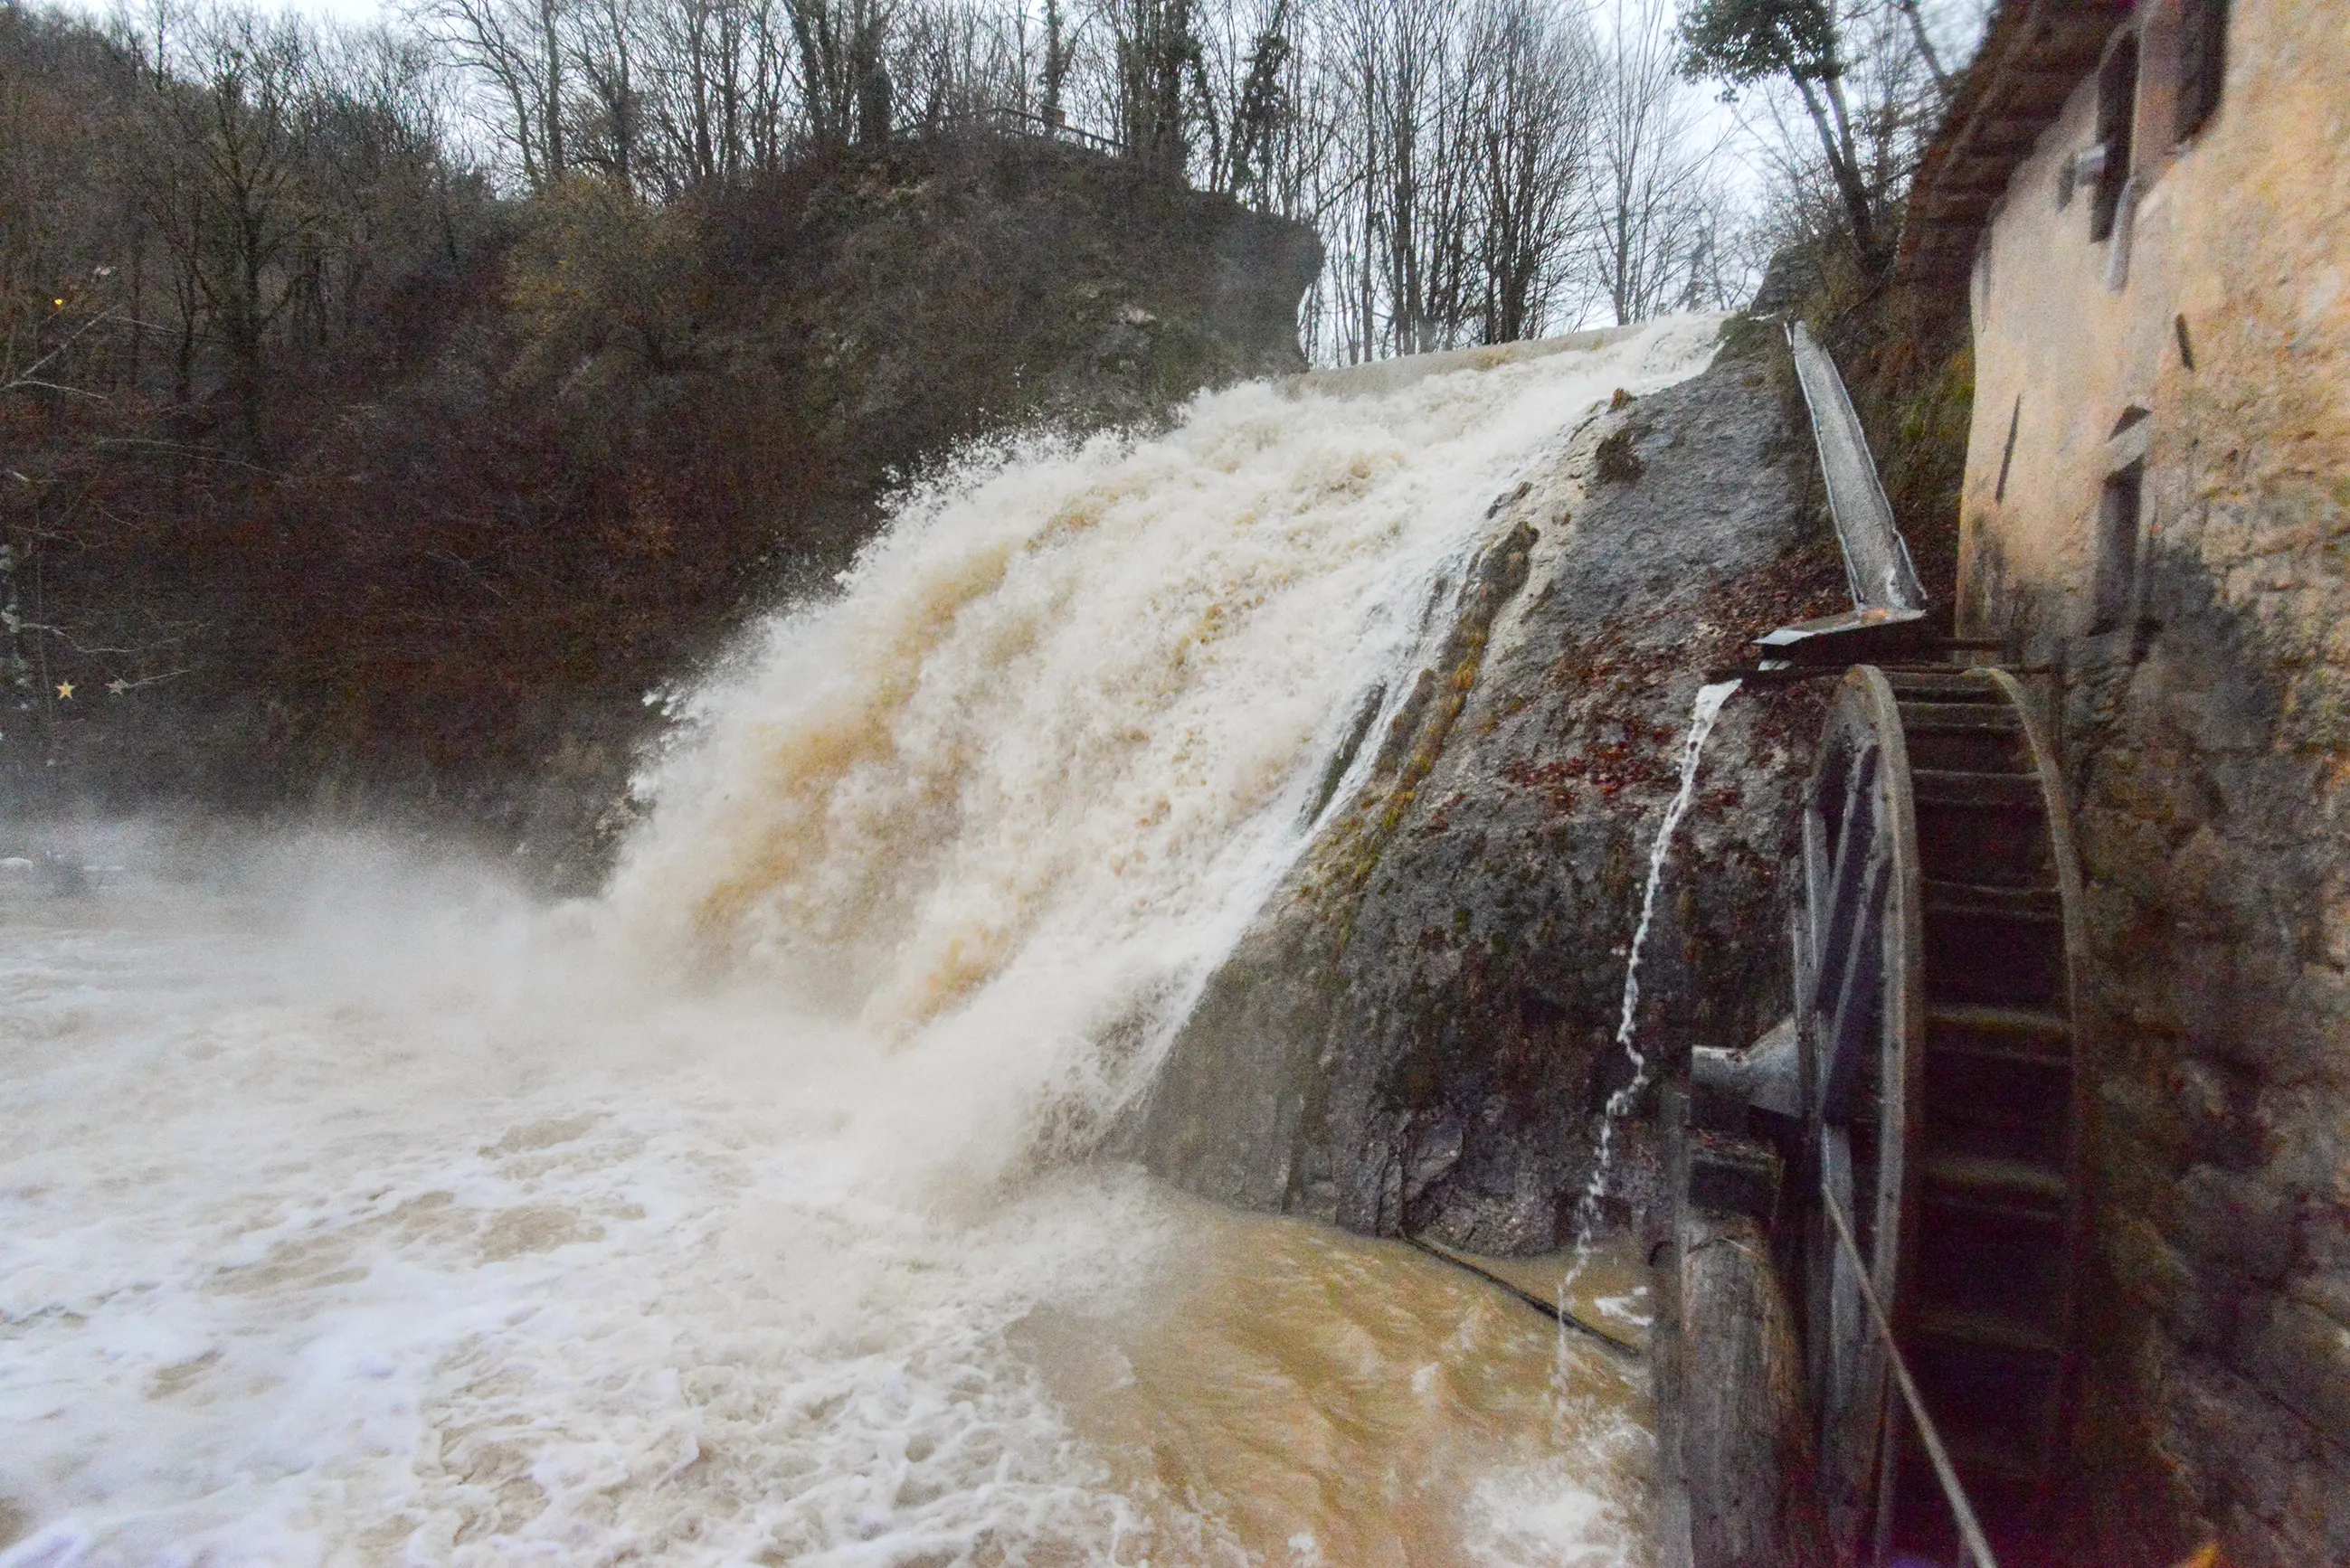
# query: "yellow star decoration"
(65, 690)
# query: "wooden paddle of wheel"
(1944, 1110)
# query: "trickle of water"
(1704, 713)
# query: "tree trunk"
(551, 107)
(1844, 170)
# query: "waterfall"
(351, 1210)
(1006, 799)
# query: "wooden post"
(1735, 1454)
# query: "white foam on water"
(1544, 1515)
(354, 1211)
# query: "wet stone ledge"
(1416, 1035)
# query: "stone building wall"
(2194, 650)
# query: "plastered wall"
(2204, 719)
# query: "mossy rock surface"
(1417, 1033)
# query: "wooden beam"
(1745, 1449)
(1737, 1472)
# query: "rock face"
(1417, 1033)
(942, 287)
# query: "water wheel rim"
(1861, 1009)
(1973, 1205)
(2066, 859)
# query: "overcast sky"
(1953, 21)
(336, 10)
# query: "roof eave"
(2034, 54)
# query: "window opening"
(2202, 63)
(2118, 530)
(2117, 105)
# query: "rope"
(1557, 1314)
(1970, 1531)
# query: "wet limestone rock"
(1417, 1032)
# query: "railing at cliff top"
(1026, 122)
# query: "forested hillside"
(385, 411)
(367, 478)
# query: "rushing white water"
(358, 1212)
(1703, 714)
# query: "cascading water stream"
(1703, 714)
(355, 1211)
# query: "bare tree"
(1445, 153)
(1652, 192)
(1243, 83)
(240, 197)
(698, 52)
(1408, 65)
(844, 77)
(1159, 67)
(1060, 47)
(1923, 42)
(1840, 150)
(371, 133)
(962, 62)
(1533, 116)
(517, 50)
(1801, 43)
(609, 131)
(772, 112)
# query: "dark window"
(2202, 62)
(2117, 546)
(2116, 106)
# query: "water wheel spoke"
(1843, 921)
(1855, 1019)
(1843, 1289)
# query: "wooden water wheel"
(1944, 1110)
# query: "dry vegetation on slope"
(418, 506)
